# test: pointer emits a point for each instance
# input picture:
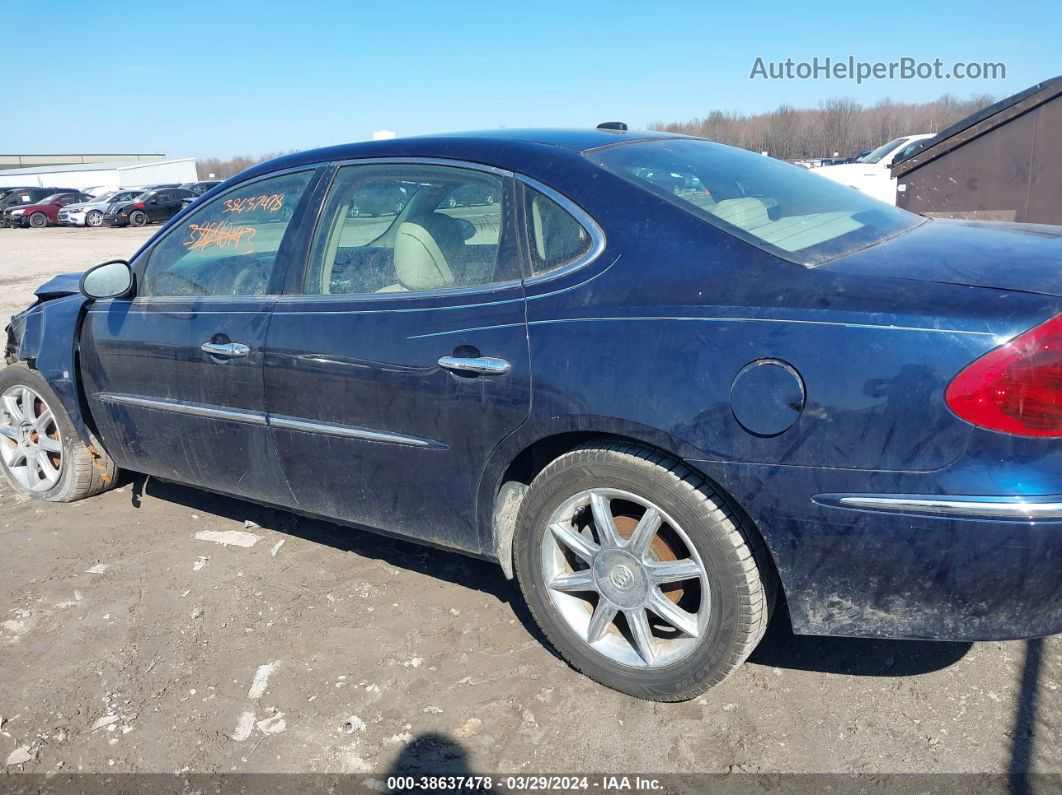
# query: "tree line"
(839, 125)
(219, 168)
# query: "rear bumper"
(890, 564)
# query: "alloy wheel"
(94, 218)
(626, 578)
(31, 446)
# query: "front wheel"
(38, 220)
(137, 218)
(40, 452)
(641, 576)
(94, 218)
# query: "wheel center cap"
(620, 578)
(25, 431)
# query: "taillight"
(1016, 388)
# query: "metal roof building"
(28, 161)
(1002, 163)
(119, 174)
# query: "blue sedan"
(664, 383)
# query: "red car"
(43, 213)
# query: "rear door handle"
(226, 350)
(485, 365)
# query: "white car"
(871, 173)
(90, 213)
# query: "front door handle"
(485, 365)
(226, 350)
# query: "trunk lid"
(1003, 256)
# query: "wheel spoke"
(601, 507)
(9, 432)
(12, 408)
(49, 473)
(673, 571)
(644, 533)
(603, 615)
(638, 622)
(684, 622)
(29, 408)
(579, 582)
(43, 421)
(50, 444)
(582, 547)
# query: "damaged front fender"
(46, 337)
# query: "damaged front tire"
(40, 452)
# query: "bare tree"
(838, 124)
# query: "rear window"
(780, 208)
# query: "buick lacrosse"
(664, 383)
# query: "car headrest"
(424, 248)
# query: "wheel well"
(522, 470)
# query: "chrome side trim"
(393, 160)
(597, 234)
(350, 431)
(1006, 508)
(185, 407)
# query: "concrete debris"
(353, 724)
(470, 728)
(273, 725)
(433, 710)
(261, 680)
(244, 727)
(276, 547)
(99, 568)
(248, 523)
(200, 562)
(19, 756)
(106, 720)
(234, 538)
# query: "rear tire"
(137, 218)
(670, 637)
(38, 220)
(41, 454)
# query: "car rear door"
(401, 360)
(173, 376)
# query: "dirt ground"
(133, 639)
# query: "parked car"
(90, 212)
(199, 188)
(870, 173)
(470, 195)
(375, 199)
(661, 416)
(14, 197)
(151, 207)
(43, 212)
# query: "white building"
(128, 174)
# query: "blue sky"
(217, 78)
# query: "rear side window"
(228, 246)
(557, 239)
(412, 228)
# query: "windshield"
(875, 155)
(784, 209)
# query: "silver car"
(90, 213)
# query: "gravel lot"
(132, 640)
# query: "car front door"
(173, 375)
(401, 360)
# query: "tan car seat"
(425, 247)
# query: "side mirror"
(112, 279)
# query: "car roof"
(493, 147)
